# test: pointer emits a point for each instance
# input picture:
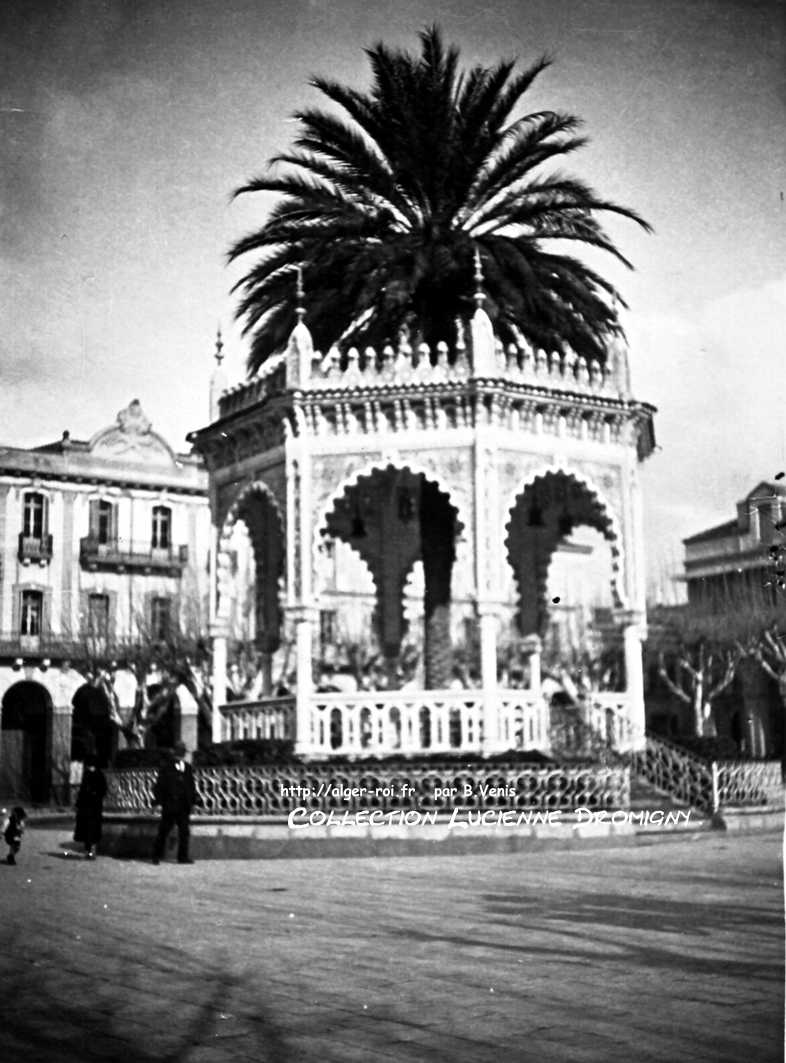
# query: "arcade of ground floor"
(665, 951)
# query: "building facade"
(733, 560)
(737, 569)
(103, 543)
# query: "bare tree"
(701, 645)
(768, 649)
(161, 661)
(700, 676)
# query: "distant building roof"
(720, 531)
(768, 488)
(762, 492)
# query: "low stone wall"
(347, 835)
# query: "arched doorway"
(249, 594)
(92, 730)
(393, 518)
(545, 515)
(26, 742)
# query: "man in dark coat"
(174, 790)
(89, 807)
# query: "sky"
(125, 126)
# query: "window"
(98, 614)
(102, 521)
(32, 615)
(35, 514)
(327, 627)
(160, 617)
(162, 527)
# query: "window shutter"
(46, 611)
(84, 606)
(93, 528)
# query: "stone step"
(644, 795)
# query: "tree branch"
(727, 680)
(678, 691)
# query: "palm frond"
(381, 204)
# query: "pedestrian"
(90, 807)
(13, 829)
(174, 790)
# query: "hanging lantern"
(358, 527)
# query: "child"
(12, 832)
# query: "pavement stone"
(655, 953)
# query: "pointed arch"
(351, 480)
(583, 503)
(266, 529)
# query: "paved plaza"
(659, 952)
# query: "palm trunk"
(438, 648)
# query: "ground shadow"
(39, 1023)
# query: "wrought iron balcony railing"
(77, 647)
(14, 644)
(36, 548)
(120, 555)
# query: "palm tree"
(383, 208)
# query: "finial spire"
(480, 297)
(300, 309)
(219, 355)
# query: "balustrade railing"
(422, 364)
(608, 714)
(675, 772)
(708, 785)
(276, 791)
(34, 548)
(383, 722)
(377, 723)
(597, 729)
(125, 555)
(523, 720)
(263, 718)
(749, 783)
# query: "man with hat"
(174, 790)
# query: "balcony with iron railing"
(122, 555)
(54, 645)
(35, 549)
(77, 646)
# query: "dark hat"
(179, 749)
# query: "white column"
(189, 717)
(304, 620)
(633, 634)
(533, 647)
(488, 620)
(219, 678)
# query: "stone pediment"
(132, 439)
